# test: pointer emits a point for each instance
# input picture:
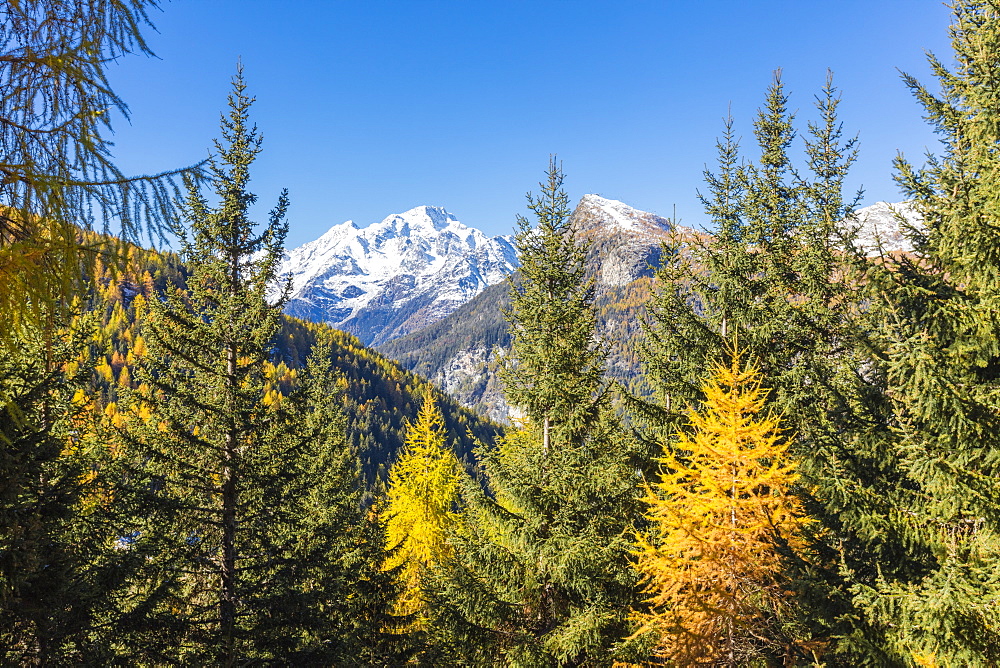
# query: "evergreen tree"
(940, 359)
(542, 562)
(556, 373)
(710, 561)
(57, 568)
(247, 508)
(324, 598)
(770, 269)
(774, 272)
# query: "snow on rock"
(595, 211)
(625, 242)
(883, 225)
(392, 277)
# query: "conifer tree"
(245, 506)
(774, 273)
(57, 175)
(769, 270)
(940, 359)
(419, 513)
(557, 368)
(710, 560)
(54, 556)
(542, 562)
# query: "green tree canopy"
(940, 345)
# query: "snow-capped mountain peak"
(880, 227)
(610, 215)
(396, 275)
(423, 217)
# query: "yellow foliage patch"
(423, 487)
(710, 565)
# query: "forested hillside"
(378, 397)
(795, 461)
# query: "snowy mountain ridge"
(459, 352)
(613, 216)
(414, 268)
(396, 275)
(879, 226)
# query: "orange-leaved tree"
(710, 561)
(423, 488)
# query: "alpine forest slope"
(460, 352)
(775, 442)
(395, 276)
(377, 396)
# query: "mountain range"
(395, 276)
(429, 291)
(460, 352)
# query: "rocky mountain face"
(461, 352)
(395, 276)
(625, 243)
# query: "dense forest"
(807, 475)
(378, 398)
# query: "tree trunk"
(545, 437)
(227, 601)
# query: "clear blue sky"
(371, 107)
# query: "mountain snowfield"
(395, 276)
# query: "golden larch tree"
(709, 561)
(423, 488)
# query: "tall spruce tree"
(542, 575)
(555, 375)
(941, 363)
(247, 507)
(773, 274)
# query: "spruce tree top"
(234, 262)
(558, 365)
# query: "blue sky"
(373, 107)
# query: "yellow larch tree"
(419, 513)
(710, 564)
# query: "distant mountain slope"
(379, 396)
(396, 276)
(460, 352)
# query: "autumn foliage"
(709, 561)
(423, 486)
